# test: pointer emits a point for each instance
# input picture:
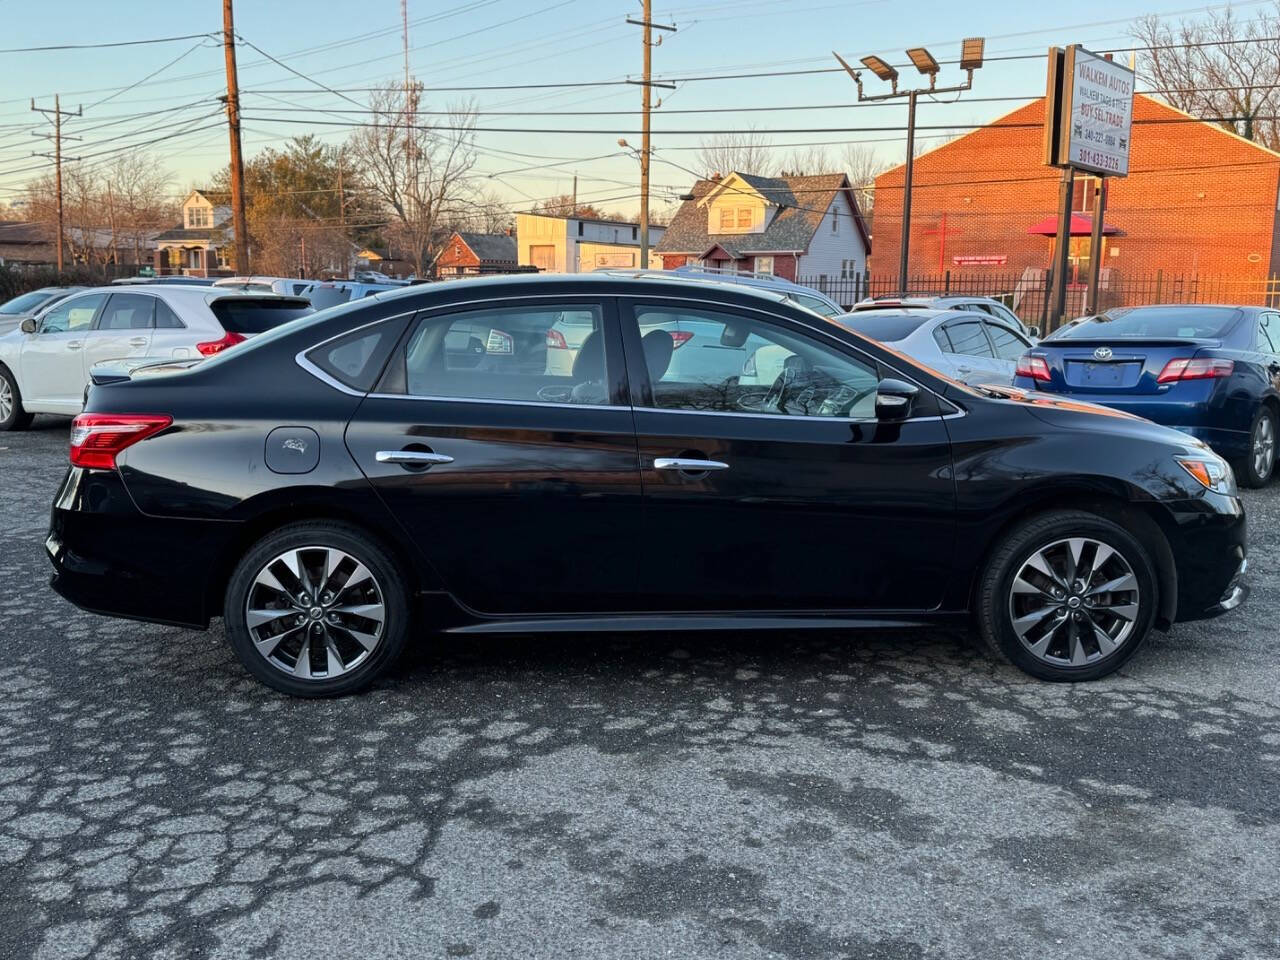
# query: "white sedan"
(45, 363)
(965, 347)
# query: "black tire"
(17, 418)
(995, 600)
(1247, 471)
(388, 588)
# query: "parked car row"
(543, 454)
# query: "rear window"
(248, 316)
(885, 327)
(324, 297)
(1207, 322)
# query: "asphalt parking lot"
(888, 796)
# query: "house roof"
(178, 234)
(491, 247)
(218, 198)
(22, 231)
(802, 202)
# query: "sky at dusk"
(522, 43)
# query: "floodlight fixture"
(882, 69)
(971, 49)
(923, 61)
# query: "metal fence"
(1028, 293)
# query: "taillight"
(500, 342)
(556, 341)
(210, 347)
(96, 438)
(1037, 368)
(679, 338)
(1195, 368)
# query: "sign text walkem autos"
(1101, 114)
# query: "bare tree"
(1221, 67)
(808, 161)
(863, 166)
(746, 152)
(419, 170)
(138, 201)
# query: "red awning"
(1081, 226)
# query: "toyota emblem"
(1102, 353)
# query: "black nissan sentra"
(622, 452)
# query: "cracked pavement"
(868, 796)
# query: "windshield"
(27, 302)
(885, 327)
(1160, 322)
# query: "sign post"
(1087, 126)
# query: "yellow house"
(579, 245)
(204, 244)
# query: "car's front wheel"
(12, 416)
(1256, 468)
(317, 609)
(1067, 596)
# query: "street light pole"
(904, 253)
(971, 52)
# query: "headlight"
(1212, 472)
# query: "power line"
(97, 46)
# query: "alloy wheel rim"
(1074, 602)
(6, 399)
(315, 613)
(1264, 447)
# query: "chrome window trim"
(789, 416)
(513, 403)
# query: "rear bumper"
(110, 558)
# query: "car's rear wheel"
(316, 609)
(1067, 596)
(12, 416)
(1260, 463)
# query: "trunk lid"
(1128, 365)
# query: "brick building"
(1198, 208)
(469, 254)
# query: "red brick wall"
(456, 254)
(1197, 201)
(672, 260)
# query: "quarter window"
(547, 354)
(712, 362)
(75, 314)
(358, 358)
(967, 338)
(1269, 333)
(166, 319)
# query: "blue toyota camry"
(1210, 371)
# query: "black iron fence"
(1028, 293)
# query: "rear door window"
(248, 316)
(531, 354)
(1008, 345)
(967, 338)
(127, 311)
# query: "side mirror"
(29, 325)
(894, 400)
(1034, 330)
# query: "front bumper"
(1208, 539)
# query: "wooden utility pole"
(645, 149)
(342, 220)
(237, 160)
(58, 114)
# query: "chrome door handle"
(138, 341)
(416, 458)
(74, 344)
(690, 466)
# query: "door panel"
(52, 362)
(520, 504)
(811, 509)
(123, 329)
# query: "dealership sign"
(1088, 112)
